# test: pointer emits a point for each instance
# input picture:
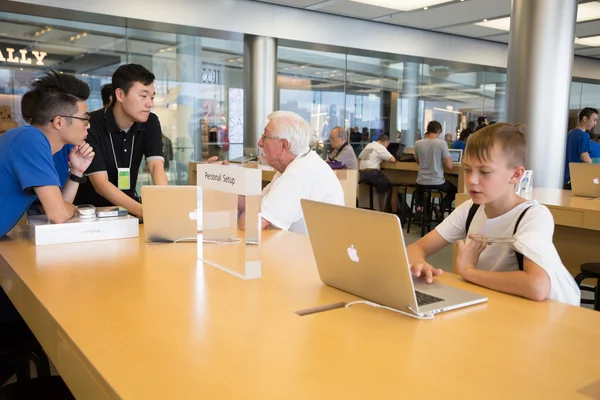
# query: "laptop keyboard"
(424, 299)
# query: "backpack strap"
(470, 216)
(519, 255)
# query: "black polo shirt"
(143, 139)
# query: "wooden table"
(128, 320)
(577, 225)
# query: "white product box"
(43, 232)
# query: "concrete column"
(260, 86)
(542, 34)
(410, 92)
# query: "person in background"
(482, 122)
(595, 149)
(370, 168)
(27, 169)
(107, 94)
(432, 156)
(366, 137)
(122, 134)
(449, 140)
(461, 142)
(355, 139)
(342, 152)
(578, 142)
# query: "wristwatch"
(75, 178)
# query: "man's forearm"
(585, 157)
(512, 282)
(158, 174)
(69, 191)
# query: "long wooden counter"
(577, 224)
(129, 320)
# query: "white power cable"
(370, 303)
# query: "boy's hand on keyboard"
(468, 254)
(426, 270)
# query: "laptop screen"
(456, 155)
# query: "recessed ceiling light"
(404, 5)
(425, 8)
(592, 41)
(585, 12)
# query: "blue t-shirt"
(594, 149)
(61, 163)
(578, 141)
(25, 163)
(459, 145)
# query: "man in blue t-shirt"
(578, 142)
(61, 159)
(27, 169)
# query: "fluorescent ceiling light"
(585, 12)
(592, 41)
(403, 5)
(588, 11)
(502, 24)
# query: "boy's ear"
(518, 172)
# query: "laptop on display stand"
(585, 179)
(457, 155)
(366, 255)
(170, 213)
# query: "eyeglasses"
(265, 137)
(86, 120)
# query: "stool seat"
(371, 186)
(591, 268)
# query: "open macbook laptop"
(170, 213)
(456, 155)
(365, 254)
(585, 179)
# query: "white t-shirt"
(372, 156)
(533, 239)
(307, 177)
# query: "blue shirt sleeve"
(31, 158)
(583, 143)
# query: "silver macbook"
(170, 213)
(585, 179)
(365, 255)
(457, 155)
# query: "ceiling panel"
(591, 28)
(470, 30)
(452, 14)
(358, 10)
(588, 51)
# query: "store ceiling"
(483, 19)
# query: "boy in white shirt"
(525, 263)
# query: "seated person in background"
(530, 268)
(482, 122)
(370, 167)
(342, 152)
(449, 140)
(432, 156)
(461, 142)
(26, 167)
(578, 142)
(301, 173)
(355, 139)
(122, 134)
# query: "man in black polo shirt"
(122, 134)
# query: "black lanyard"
(339, 151)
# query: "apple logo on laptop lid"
(596, 181)
(353, 254)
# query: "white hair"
(292, 127)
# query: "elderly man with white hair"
(301, 173)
